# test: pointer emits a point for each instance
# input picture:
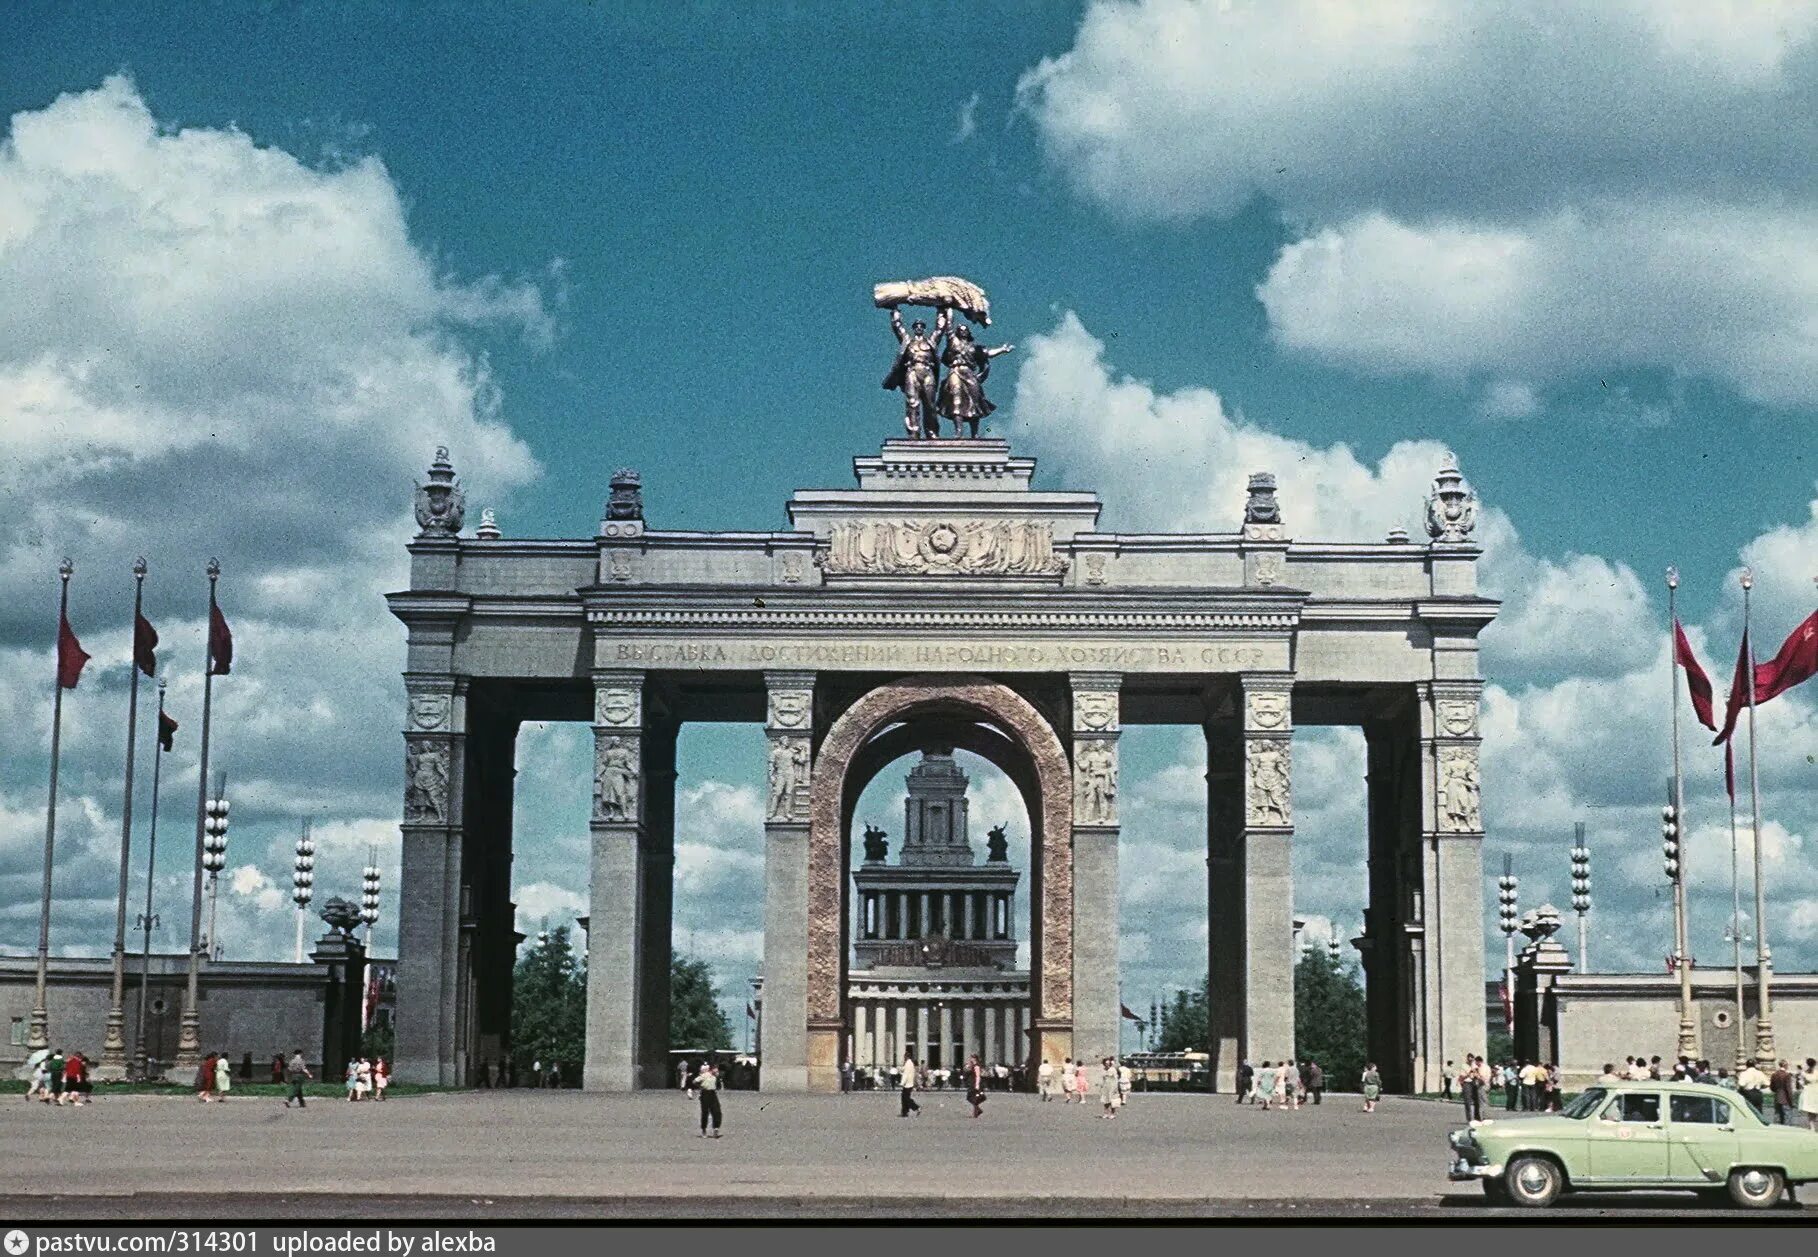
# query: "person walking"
(381, 1078)
(1263, 1086)
(707, 1086)
(205, 1078)
(295, 1073)
(1750, 1083)
(1081, 1088)
(1044, 1080)
(975, 1086)
(1808, 1093)
(277, 1068)
(1511, 1086)
(1285, 1080)
(1246, 1077)
(909, 1080)
(1316, 1081)
(224, 1078)
(1445, 1083)
(1372, 1087)
(1780, 1086)
(1108, 1088)
(1467, 1088)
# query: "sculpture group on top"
(959, 395)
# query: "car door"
(1701, 1138)
(1627, 1138)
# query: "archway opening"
(939, 953)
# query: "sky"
(261, 260)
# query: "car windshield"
(1585, 1105)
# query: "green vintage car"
(1638, 1136)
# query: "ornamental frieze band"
(940, 547)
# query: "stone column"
(990, 1033)
(620, 996)
(429, 894)
(1452, 831)
(972, 1032)
(789, 728)
(901, 1047)
(1268, 866)
(1096, 728)
(946, 1034)
(921, 1032)
(861, 1029)
(1225, 891)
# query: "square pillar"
(429, 892)
(1452, 832)
(947, 1061)
(1250, 822)
(900, 1047)
(623, 993)
(788, 732)
(1096, 728)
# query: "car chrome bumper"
(1464, 1172)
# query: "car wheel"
(1495, 1191)
(1533, 1182)
(1756, 1188)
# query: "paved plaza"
(571, 1154)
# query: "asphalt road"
(536, 1154)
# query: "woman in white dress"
(1808, 1093)
(224, 1077)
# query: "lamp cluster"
(1581, 879)
(369, 895)
(214, 836)
(1669, 841)
(303, 876)
(1507, 916)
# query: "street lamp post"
(214, 856)
(189, 1036)
(1508, 918)
(302, 883)
(1764, 958)
(1581, 896)
(113, 1046)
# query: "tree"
(549, 1007)
(1184, 1024)
(1330, 1025)
(695, 1019)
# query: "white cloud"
(1694, 287)
(1480, 190)
(966, 123)
(209, 347)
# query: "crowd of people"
(1284, 1085)
(59, 1079)
(1785, 1094)
(367, 1079)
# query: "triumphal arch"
(945, 602)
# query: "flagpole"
(189, 1042)
(1764, 958)
(39, 1035)
(113, 1046)
(1736, 919)
(141, 1058)
(1688, 1030)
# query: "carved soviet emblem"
(429, 711)
(1458, 718)
(616, 707)
(1096, 711)
(1268, 711)
(789, 708)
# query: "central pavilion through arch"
(919, 713)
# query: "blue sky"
(266, 259)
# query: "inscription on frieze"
(943, 547)
(935, 655)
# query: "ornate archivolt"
(977, 547)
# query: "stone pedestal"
(341, 1001)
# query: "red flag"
(70, 655)
(1796, 662)
(1125, 1010)
(1739, 693)
(220, 644)
(1697, 681)
(750, 1012)
(167, 732)
(1729, 771)
(145, 646)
